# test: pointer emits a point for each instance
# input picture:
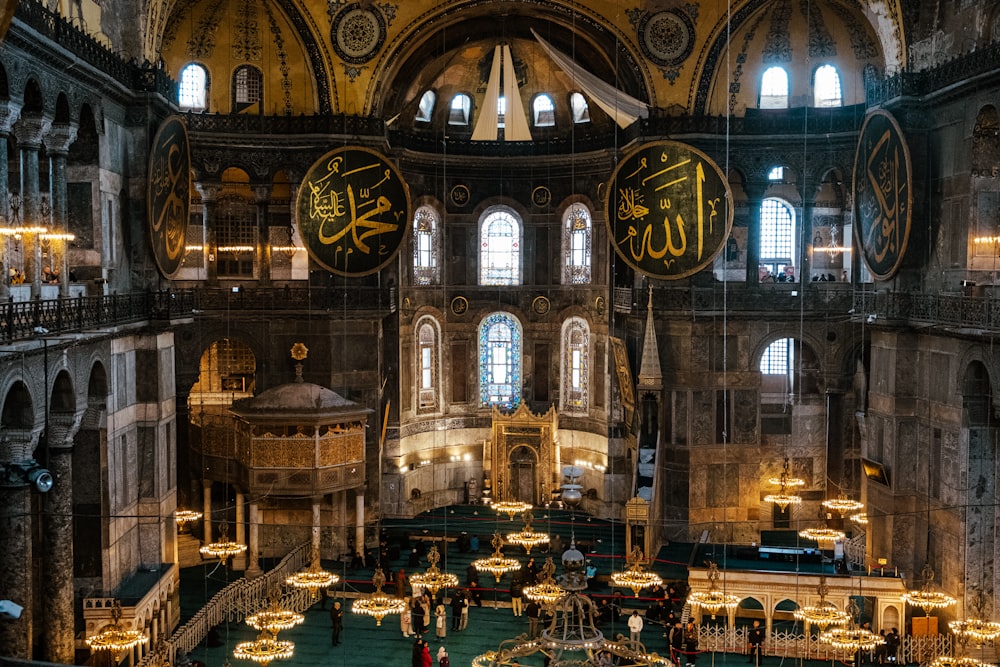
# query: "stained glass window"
(193, 87)
(425, 246)
(427, 363)
(576, 365)
(500, 361)
(576, 245)
(500, 248)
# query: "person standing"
(516, 593)
(634, 628)
(425, 656)
(401, 583)
(406, 620)
(676, 643)
(691, 643)
(440, 621)
(892, 646)
(464, 623)
(756, 638)
(417, 617)
(443, 660)
(533, 610)
(336, 623)
(457, 603)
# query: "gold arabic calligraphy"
(886, 205)
(169, 180)
(671, 180)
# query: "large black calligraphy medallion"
(352, 211)
(882, 195)
(668, 210)
(168, 194)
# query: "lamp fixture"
(949, 661)
(186, 517)
(823, 614)
(976, 628)
(634, 576)
(378, 604)
(510, 507)
(313, 578)
(546, 591)
(434, 579)
(526, 537)
(843, 504)
(851, 639)
(264, 649)
(926, 598)
(823, 535)
(497, 564)
(224, 548)
(115, 638)
(861, 518)
(275, 618)
(785, 482)
(713, 600)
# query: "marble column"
(209, 195)
(253, 551)
(240, 562)
(206, 499)
(57, 583)
(57, 143)
(359, 525)
(262, 194)
(30, 128)
(755, 196)
(316, 528)
(15, 568)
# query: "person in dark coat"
(676, 642)
(691, 643)
(336, 623)
(756, 639)
(457, 602)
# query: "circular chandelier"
(860, 518)
(823, 614)
(186, 517)
(975, 629)
(822, 535)
(224, 548)
(842, 504)
(926, 598)
(547, 591)
(713, 600)
(510, 507)
(115, 638)
(378, 604)
(497, 564)
(949, 661)
(852, 639)
(275, 618)
(785, 481)
(634, 577)
(264, 649)
(313, 578)
(434, 579)
(526, 537)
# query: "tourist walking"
(336, 623)
(440, 621)
(634, 628)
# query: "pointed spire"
(650, 375)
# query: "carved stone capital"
(30, 129)
(262, 193)
(9, 112)
(59, 138)
(209, 192)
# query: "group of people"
(422, 655)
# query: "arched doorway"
(523, 475)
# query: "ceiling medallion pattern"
(358, 33)
(667, 37)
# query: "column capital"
(59, 138)
(9, 112)
(262, 193)
(209, 192)
(31, 128)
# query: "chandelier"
(976, 628)
(860, 518)
(434, 579)
(547, 591)
(275, 618)
(634, 577)
(822, 535)
(823, 613)
(949, 661)
(313, 578)
(224, 548)
(264, 649)
(852, 639)
(926, 598)
(785, 481)
(527, 538)
(115, 638)
(186, 517)
(571, 639)
(713, 600)
(510, 507)
(842, 504)
(378, 604)
(497, 564)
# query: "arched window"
(776, 175)
(193, 88)
(500, 361)
(581, 110)
(247, 88)
(461, 107)
(826, 87)
(575, 365)
(774, 88)
(500, 248)
(427, 364)
(778, 360)
(545, 111)
(576, 245)
(777, 235)
(236, 236)
(426, 107)
(425, 246)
